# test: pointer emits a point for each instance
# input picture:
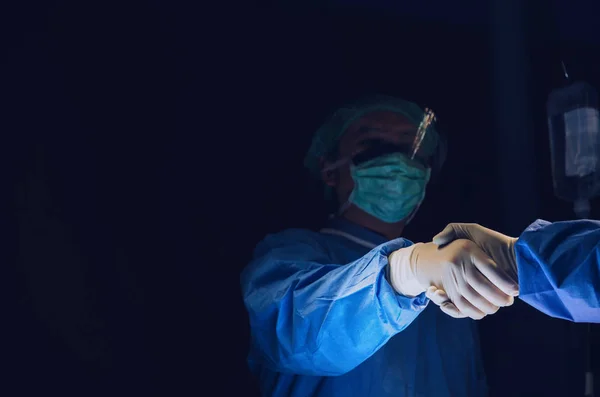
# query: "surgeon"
(344, 311)
(557, 265)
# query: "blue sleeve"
(312, 317)
(559, 272)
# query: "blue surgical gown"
(326, 322)
(559, 269)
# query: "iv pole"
(582, 210)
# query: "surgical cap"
(328, 135)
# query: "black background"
(149, 146)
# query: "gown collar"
(353, 232)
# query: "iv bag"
(574, 126)
(581, 134)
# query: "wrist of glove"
(402, 274)
(459, 278)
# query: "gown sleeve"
(312, 317)
(559, 272)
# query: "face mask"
(389, 187)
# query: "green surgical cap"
(328, 135)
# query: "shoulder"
(290, 239)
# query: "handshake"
(468, 270)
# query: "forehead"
(396, 126)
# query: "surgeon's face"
(373, 135)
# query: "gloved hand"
(459, 277)
(499, 247)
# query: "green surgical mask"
(389, 187)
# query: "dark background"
(149, 146)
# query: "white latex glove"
(499, 247)
(459, 277)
